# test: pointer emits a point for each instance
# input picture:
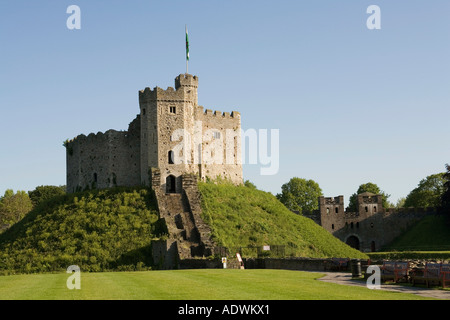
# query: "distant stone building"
(371, 226)
(171, 133)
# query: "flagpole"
(187, 50)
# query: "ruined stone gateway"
(369, 228)
(170, 145)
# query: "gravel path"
(346, 279)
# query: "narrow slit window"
(173, 109)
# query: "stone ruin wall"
(104, 160)
(372, 225)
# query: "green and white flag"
(187, 45)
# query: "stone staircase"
(180, 225)
(188, 235)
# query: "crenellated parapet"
(159, 94)
(216, 116)
(186, 80)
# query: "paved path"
(346, 279)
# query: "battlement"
(331, 200)
(200, 112)
(133, 129)
(186, 80)
(369, 198)
(159, 94)
(171, 94)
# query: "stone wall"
(165, 254)
(104, 160)
(371, 227)
(221, 145)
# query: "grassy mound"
(97, 230)
(102, 230)
(431, 233)
(242, 216)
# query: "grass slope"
(96, 230)
(243, 216)
(212, 284)
(432, 233)
(104, 230)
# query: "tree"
(400, 203)
(367, 187)
(300, 195)
(428, 193)
(44, 193)
(445, 197)
(13, 207)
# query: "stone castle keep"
(169, 146)
(171, 133)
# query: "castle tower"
(173, 131)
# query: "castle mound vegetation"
(97, 230)
(112, 229)
(243, 216)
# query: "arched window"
(171, 156)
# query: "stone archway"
(171, 184)
(353, 242)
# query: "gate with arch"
(353, 241)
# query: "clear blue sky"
(353, 105)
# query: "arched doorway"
(353, 242)
(171, 184)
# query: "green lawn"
(210, 284)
